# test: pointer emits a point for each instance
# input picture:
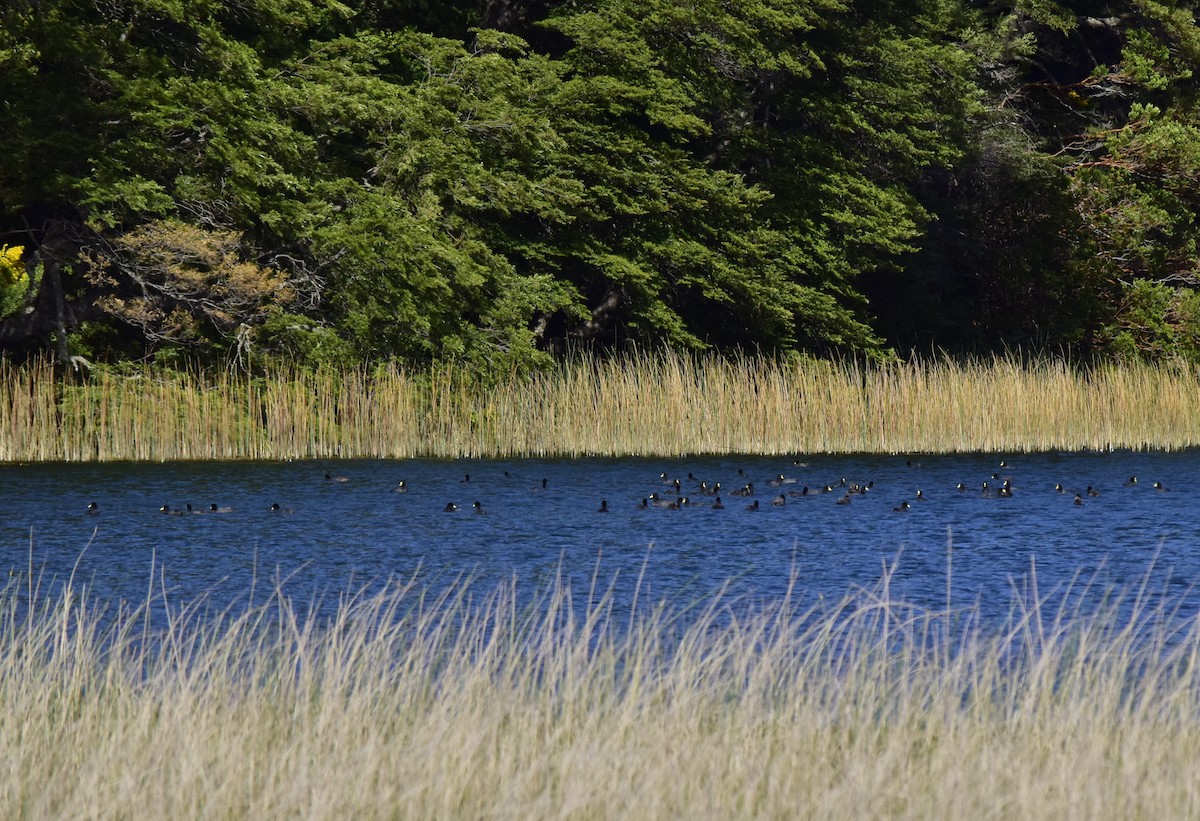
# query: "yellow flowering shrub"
(14, 279)
(11, 269)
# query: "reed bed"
(416, 703)
(664, 405)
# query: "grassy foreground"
(466, 705)
(665, 405)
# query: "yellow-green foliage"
(191, 283)
(661, 405)
(462, 704)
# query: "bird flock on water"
(750, 494)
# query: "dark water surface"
(341, 535)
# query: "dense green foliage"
(499, 180)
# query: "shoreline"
(665, 406)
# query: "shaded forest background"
(500, 181)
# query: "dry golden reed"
(661, 405)
(412, 703)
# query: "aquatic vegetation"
(662, 405)
(458, 702)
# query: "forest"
(501, 182)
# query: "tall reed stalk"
(412, 703)
(661, 405)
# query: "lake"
(333, 536)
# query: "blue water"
(338, 536)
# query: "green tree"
(797, 128)
(126, 113)
(702, 174)
(1094, 103)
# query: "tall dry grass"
(467, 704)
(661, 405)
